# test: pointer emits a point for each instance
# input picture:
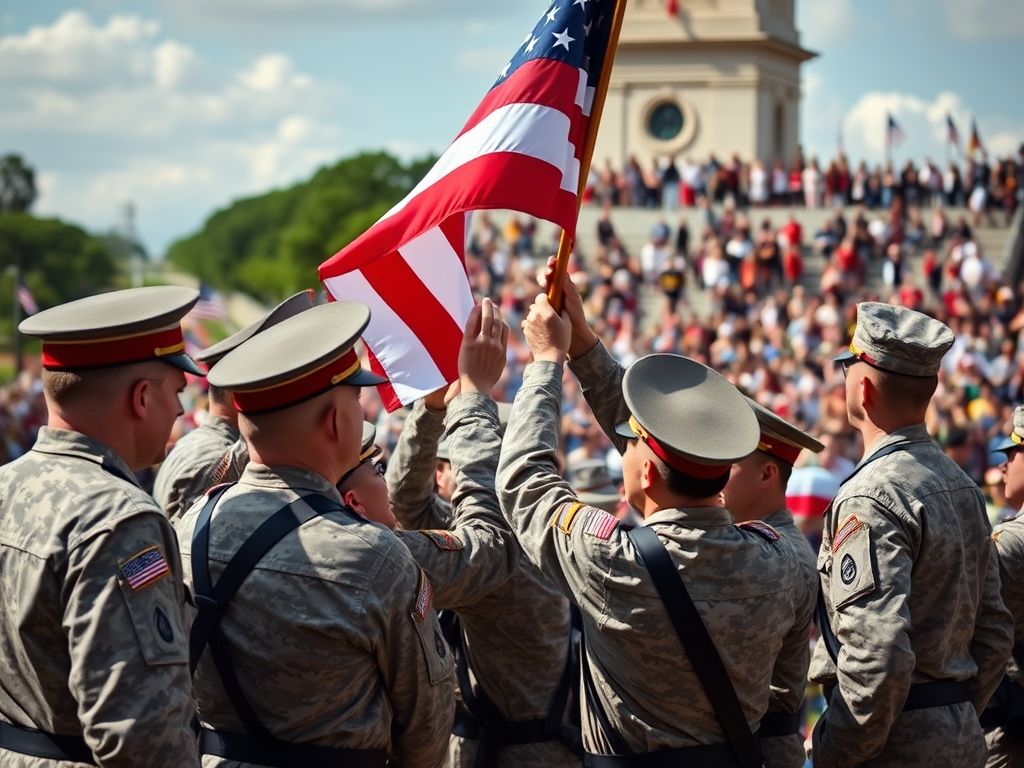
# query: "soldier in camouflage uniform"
(686, 427)
(517, 635)
(909, 573)
(1004, 720)
(93, 614)
(332, 635)
(757, 491)
(201, 459)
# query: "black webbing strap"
(213, 599)
(821, 612)
(940, 693)
(779, 724)
(49, 746)
(484, 722)
(280, 754)
(699, 647)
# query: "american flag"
(143, 569)
(521, 150)
(975, 143)
(210, 305)
(954, 134)
(26, 299)
(894, 134)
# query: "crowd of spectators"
(735, 295)
(673, 182)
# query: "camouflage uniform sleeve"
(129, 647)
(992, 641)
(600, 378)
(532, 492)
(416, 664)
(1009, 541)
(478, 553)
(789, 680)
(410, 474)
(870, 583)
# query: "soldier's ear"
(648, 474)
(141, 392)
(769, 472)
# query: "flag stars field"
(563, 39)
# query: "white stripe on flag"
(528, 129)
(437, 264)
(406, 362)
(585, 94)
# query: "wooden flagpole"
(600, 92)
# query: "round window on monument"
(665, 121)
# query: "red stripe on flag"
(385, 390)
(496, 181)
(403, 291)
(454, 230)
(545, 82)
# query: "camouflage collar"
(64, 442)
(220, 425)
(300, 481)
(694, 517)
(915, 433)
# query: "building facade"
(716, 76)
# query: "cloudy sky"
(183, 105)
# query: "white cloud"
(825, 21)
(117, 111)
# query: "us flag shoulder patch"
(600, 524)
(446, 541)
(146, 567)
(851, 525)
(762, 529)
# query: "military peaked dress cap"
(1016, 437)
(296, 360)
(290, 307)
(898, 340)
(690, 416)
(779, 438)
(118, 328)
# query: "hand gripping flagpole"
(600, 92)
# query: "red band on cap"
(291, 392)
(674, 460)
(780, 450)
(861, 356)
(58, 355)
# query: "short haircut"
(219, 396)
(682, 484)
(63, 387)
(901, 392)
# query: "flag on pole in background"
(954, 134)
(26, 299)
(975, 143)
(210, 306)
(521, 150)
(893, 134)
(672, 6)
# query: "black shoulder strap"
(821, 611)
(699, 647)
(212, 599)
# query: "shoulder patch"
(421, 603)
(845, 531)
(762, 529)
(600, 524)
(566, 516)
(144, 568)
(445, 540)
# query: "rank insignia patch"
(421, 604)
(143, 569)
(599, 523)
(445, 540)
(762, 529)
(567, 514)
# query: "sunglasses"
(380, 467)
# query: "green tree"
(271, 245)
(17, 184)
(60, 261)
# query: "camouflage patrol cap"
(118, 328)
(898, 340)
(779, 438)
(296, 360)
(1016, 437)
(689, 415)
(290, 307)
